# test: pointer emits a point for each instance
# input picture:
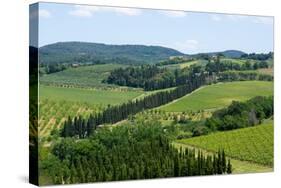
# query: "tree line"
(152, 77)
(221, 66)
(82, 128)
(242, 114)
(139, 151)
(261, 56)
(243, 76)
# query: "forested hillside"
(83, 52)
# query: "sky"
(187, 32)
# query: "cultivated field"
(58, 103)
(253, 144)
(220, 95)
(90, 96)
(84, 76)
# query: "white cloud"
(44, 13)
(188, 46)
(88, 11)
(174, 13)
(216, 17)
(263, 20)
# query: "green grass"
(84, 76)
(253, 144)
(220, 95)
(90, 96)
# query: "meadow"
(219, 95)
(254, 144)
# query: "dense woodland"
(261, 56)
(138, 151)
(241, 114)
(84, 52)
(152, 77)
(221, 66)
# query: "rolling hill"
(226, 53)
(83, 52)
(86, 52)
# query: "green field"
(90, 96)
(84, 76)
(220, 95)
(253, 144)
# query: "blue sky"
(188, 32)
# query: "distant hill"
(83, 52)
(227, 53)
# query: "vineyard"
(253, 144)
(53, 113)
(84, 76)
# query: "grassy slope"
(219, 95)
(253, 144)
(86, 95)
(89, 76)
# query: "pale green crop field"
(220, 95)
(91, 96)
(84, 76)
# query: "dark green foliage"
(261, 56)
(83, 52)
(241, 114)
(221, 66)
(242, 76)
(229, 167)
(151, 77)
(138, 151)
(52, 68)
(227, 53)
